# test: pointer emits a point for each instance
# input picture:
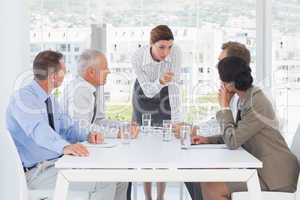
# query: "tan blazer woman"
(257, 132)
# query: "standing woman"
(156, 90)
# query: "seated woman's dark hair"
(236, 70)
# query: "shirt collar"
(148, 59)
(86, 84)
(39, 91)
(247, 102)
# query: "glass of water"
(146, 122)
(185, 136)
(125, 133)
(95, 128)
(104, 129)
(167, 130)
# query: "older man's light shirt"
(79, 99)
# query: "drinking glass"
(167, 130)
(185, 136)
(146, 122)
(125, 133)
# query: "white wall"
(14, 54)
(14, 49)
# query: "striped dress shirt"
(149, 71)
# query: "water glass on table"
(95, 128)
(185, 136)
(125, 133)
(105, 129)
(167, 130)
(146, 123)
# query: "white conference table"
(149, 159)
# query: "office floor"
(172, 192)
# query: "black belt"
(26, 169)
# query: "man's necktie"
(50, 112)
(238, 116)
(95, 108)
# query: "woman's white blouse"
(149, 71)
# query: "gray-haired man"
(83, 97)
(83, 100)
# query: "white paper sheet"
(108, 143)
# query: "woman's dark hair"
(161, 32)
(236, 70)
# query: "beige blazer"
(257, 132)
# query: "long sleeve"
(252, 122)
(34, 123)
(71, 130)
(174, 86)
(148, 73)
(28, 123)
(149, 87)
(216, 139)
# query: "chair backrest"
(12, 177)
(295, 148)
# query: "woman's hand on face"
(224, 97)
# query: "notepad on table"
(105, 144)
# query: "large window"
(286, 62)
(120, 27)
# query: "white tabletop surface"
(152, 152)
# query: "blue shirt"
(27, 122)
